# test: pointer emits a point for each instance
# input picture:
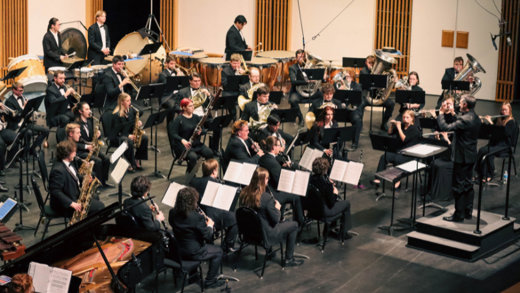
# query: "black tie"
(102, 26)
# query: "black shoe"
(354, 146)
(140, 168)
(108, 185)
(468, 217)
(2, 173)
(215, 284)
(131, 170)
(375, 184)
(292, 262)
(2, 182)
(3, 189)
(453, 219)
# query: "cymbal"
(73, 40)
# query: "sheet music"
(120, 150)
(286, 180)
(40, 274)
(353, 173)
(301, 182)
(171, 194)
(60, 280)
(120, 170)
(338, 170)
(233, 171)
(411, 166)
(248, 170)
(240, 173)
(49, 279)
(225, 196)
(210, 193)
(308, 157)
(423, 150)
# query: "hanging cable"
(313, 38)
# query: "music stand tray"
(14, 73)
(412, 97)
(456, 85)
(286, 115)
(315, 73)
(175, 83)
(339, 135)
(428, 123)
(227, 102)
(353, 62)
(235, 81)
(274, 96)
(369, 81)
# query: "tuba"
(383, 66)
(310, 118)
(309, 89)
(339, 84)
(138, 132)
(242, 101)
(474, 67)
(86, 193)
(199, 98)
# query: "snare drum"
(33, 77)
(268, 69)
(210, 69)
(85, 72)
(285, 59)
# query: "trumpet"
(74, 93)
(125, 74)
(6, 109)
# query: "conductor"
(235, 40)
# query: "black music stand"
(393, 180)
(489, 132)
(274, 96)
(246, 54)
(150, 92)
(175, 83)
(217, 124)
(338, 135)
(114, 133)
(386, 144)
(235, 81)
(22, 152)
(56, 108)
(89, 99)
(455, 85)
(411, 97)
(286, 115)
(314, 73)
(227, 102)
(156, 119)
(371, 82)
(32, 106)
(149, 49)
(428, 123)
(303, 137)
(353, 62)
(13, 74)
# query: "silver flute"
(436, 133)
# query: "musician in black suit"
(57, 92)
(328, 93)
(235, 40)
(7, 137)
(240, 147)
(270, 162)
(142, 213)
(388, 104)
(191, 229)
(65, 183)
(449, 74)
(98, 39)
(273, 129)
(115, 82)
(256, 197)
(254, 79)
(84, 132)
(52, 52)
(297, 78)
(222, 219)
(324, 120)
(188, 92)
(168, 71)
(464, 155)
(253, 109)
(413, 82)
(354, 116)
(234, 68)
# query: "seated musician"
(329, 194)
(348, 83)
(494, 144)
(256, 112)
(210, 173)
(388, 104)
(181, 130)
(142, 213)
(297, 78)
(234, 68)
(408, 134)
(354, 116)
(115, 83)
(254, 79)
(449, 74)
(240, 147)
(272, 164)
(65, 183)
(191, 229)
(188, 92)
(256, 197)
(86, 129)
(413, 82)
(125, 113)
(20, 283)
(273, 129)
(72, 133)
(57, 92)
(325, 120)
(169, 70)
(328, 92)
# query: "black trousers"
(356, 119)
(228, 220)
(463, 191)
(289, 229)
(7, 137)
(95, 205)
(295, 98)
(191, 157)
(391, 158)
(341, 207)
(214, 256)
(489, 163)
(389, 105)
(287, 198)
(140, 154)
(60, 120)
(101, 165)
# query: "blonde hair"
(99, 13)
(411, 114)
(70, 127)
(119, 108)
(234, 57)
(503, 120)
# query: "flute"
(436, 133)
(496, 116)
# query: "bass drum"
(33, 77)
(140, 69)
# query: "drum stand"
(148, 26)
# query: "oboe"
(254, 145)
(156, 208)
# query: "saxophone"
(87, 191)
(138, 132)
(96, 143)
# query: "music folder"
(294, 182)
(239, 172)
(346, 172)
(219, 196)
(309, 155)
(170, 195)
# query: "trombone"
(125, 74)
(243, 64)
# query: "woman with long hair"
(181, 129)
(255, 197)
(325, 120)
(125, 113)
(509, 123)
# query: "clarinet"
(200, 211)
(156, 207)
(269, 189)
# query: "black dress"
(142, 151)
(412, 136)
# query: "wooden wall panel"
(272, 24)
(169, 22)
(92, 6)
(393, 29)
(14, 37)
(507, 55)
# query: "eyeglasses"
(278, 145)
(20, 90)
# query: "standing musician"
(257, 110)
(464, 156)
(297, 78)
(413, 82)
(115, 82)
(409, 134)
(57, 92)
(124, 113)
(85, 121)
(449, 74)
(65, 183)
(191, 229)
(508, 122)
(180, 131)
(235, 40)
(52, 52)
(256, 197)
(355, 116)
(325, 120)
(273, 129)
(240, 147)
(98, 39)
(142, 213)
(210, 173)
(389, 104)
(270, 163)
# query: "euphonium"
(74, 93)
(125, 74)
(403, 83)
(138, 132)
(310, 118)
(472, 67)
(339, 82)
(383, 66)
(87, 191)
(309, 89)
(199, 98)
(242, 101)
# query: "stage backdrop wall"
(205, 23)
(41, 11)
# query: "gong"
(73, 40)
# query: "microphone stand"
(301, 24)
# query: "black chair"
(250, 231)
(504, 156)
(106, 121)
(315, 206)
(174, 261)
(45, 210)
(127, 220)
